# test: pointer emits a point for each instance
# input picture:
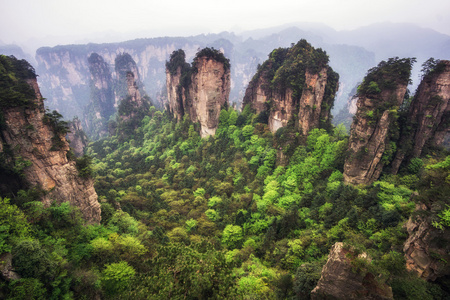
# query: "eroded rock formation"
(294, 84)
(30, 140)
(340, 280)
(379, 98)
(428, 119)
(102, 97)
(427, 249)
(201, 90)
(76, 137)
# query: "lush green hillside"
(233, 216)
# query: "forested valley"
(246, 213)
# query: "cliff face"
(199, 91)
(208, 92)
(379, 97)
(427, 249)
(30, 141)
(102, 97)
(76, 137)
(65, 75)
(428, 119)
(294, 84)
(339, 281)
(175, 94)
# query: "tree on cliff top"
(14, 90)
(212, 53)
(387, 75)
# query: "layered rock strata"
(30, 143)
(76, 137)
(339, 280)
(203, 93)
(294, 84)
(379, 98)
(428, 120)
(427, 249)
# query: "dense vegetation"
(286, 68)
(231, 216)
(14, 90)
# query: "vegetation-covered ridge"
(286, 68)
(14, 90)
(231, 216)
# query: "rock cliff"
(294, 84)
(379, 98)
(76, 137)
(33, 144)
(428, 119)
(427, 249)
(201, 90)
(340, 280)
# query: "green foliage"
(232, 236)
(13, 225)
(84, 166)
(32, 261)
(14, 89)
(27, 288)
(211, 53)
(387, 75)
(116, 277)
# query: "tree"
(232, 236)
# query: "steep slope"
(379, 98)
(428, 119)
(340, 278)
(201, 90)
(76, 137)
(33, 143)
(102, 97)
(294, 83)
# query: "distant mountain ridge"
(64, 74)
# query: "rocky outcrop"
(209, 91)
(203, 93)
(427, 249)
(294, 84)
(340, 280)
(35, 141)
(428, 120)
(379, 98)
(76, 137)
(175, 94)
(102, 97)
(6, 268)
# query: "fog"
(35, 23)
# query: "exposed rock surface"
(6, 269)
(427, 249)
(294, 83)
(31, 141)
(339, 281)
(208, 92)
(102, 97)
(76, 137)
(204, 93)
(379, 97)
(175, 94)
(428, 118)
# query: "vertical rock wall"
(294, 84)
(428, 119)
(379, 97)
(32, 140)
(200, 90)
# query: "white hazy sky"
(41, 22)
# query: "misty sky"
(47, 22)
